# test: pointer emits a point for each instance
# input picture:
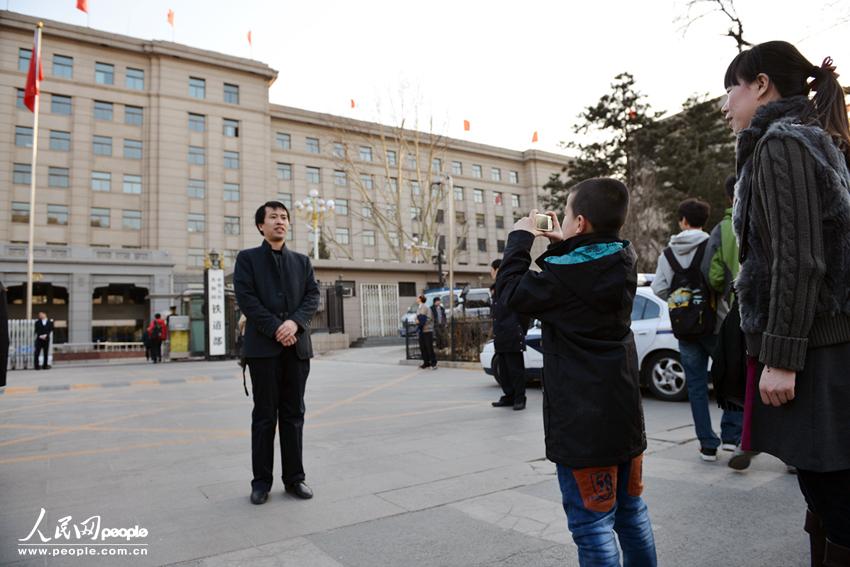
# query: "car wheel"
(494, 364)
(664, 375)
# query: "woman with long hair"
(792, 219)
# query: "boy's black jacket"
(592, 413)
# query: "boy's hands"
(528, 224)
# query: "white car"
(658, 350)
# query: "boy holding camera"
(592, 413)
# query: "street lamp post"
(314, 208)
(448, 181)
(416, 245)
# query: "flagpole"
(37, 56)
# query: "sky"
(509, 68)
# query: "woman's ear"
(762, 84)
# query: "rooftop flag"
(83, 6)
(35, 74)
(534, 137)
(466, 125)
(352, 103)
(249, 39)
(171, 17)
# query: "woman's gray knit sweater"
(793, 197)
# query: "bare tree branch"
(704, 8)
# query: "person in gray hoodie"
(686, 245)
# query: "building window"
(197, 87)
(231, 93)
(341, 206)
(476, 171)
(497, 198)
(60, 104)
(480, 220)
(458, 193)
(195, 258)
(24, 56)
(196, 155)
(365, 153)
(231, 128)
(196, 222)
(339, 150)
(313, 175)
(135, 79)
(515, 201)
(415, 213)
(495, 174)
(23, 137)
(284, 141)
(197, 122)
(132, 149)
(231, 192)
(500, 221)
(286, 199)
(60, 141)
(500, 246)
(58, 177)
(415, 189)
(407, 289)
(461, 243)
(436, 165)
(132, 184)
(368, 238)
(341, 235)
(482, 244)
(513, 177)
(366, 211)
(231, 226)
(22, 174)
(131, 220)
(392, 183)
(367, 181)
(133, 115)
(99, 217)
(440, 217)
(102, 146)
(63, 66)
(340, 178)
(460, 217)
(478, 195)
(411, 161)
(101, 181)
(393, 238)
(231, 160)
(312, 145)
(457, 168)
(196, 188)
(20, 212)
(102, 110)
(104, 73)
(284, 171)
(392, 158)
(57, 214)
(19, 100)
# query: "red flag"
(466, 125)
(35, 74)
(83, 6)
(249, 39)
(171, 17)
(534, 137)
(352, 103)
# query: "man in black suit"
(440, 322)
(278, 294)
(43, 329)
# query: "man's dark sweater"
(792, 217)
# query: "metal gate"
(22, 345)
(379, 309)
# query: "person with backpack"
(157, 332)
(681, 279)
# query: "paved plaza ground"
(410, 468)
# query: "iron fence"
(329, 317)
(461, 339)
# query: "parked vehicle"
(661, 370)
(472, 302)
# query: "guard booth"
(193, 306)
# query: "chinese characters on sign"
(215, 312)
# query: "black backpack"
(156, 334)
(691, 301)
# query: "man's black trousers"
(278, 384)
(426, 346)
(156, 351)
(511, 375)
(41, 346)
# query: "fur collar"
(790, 109)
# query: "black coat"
(4, 335)
(43, 328)
(592, 413)
(508, 327)
(268, 297)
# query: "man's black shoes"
(259, 496)
(503, 402)
(299, 489)
(519, 405)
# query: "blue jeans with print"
(602, 501)
(695, 355)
